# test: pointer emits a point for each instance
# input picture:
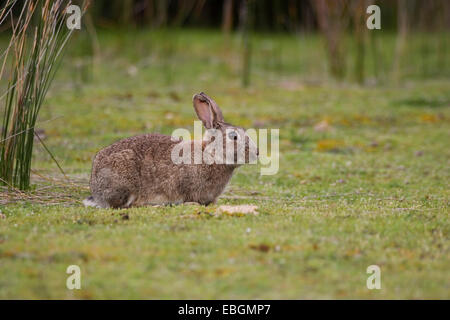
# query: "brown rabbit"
(140, 170)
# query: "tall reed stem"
(38, 37)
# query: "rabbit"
(139, 171)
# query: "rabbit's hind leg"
(117, 183)
(119, 197)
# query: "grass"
(369, 185)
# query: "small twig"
(23, 131)
(53, 180)
(12, 187)
(51, 155)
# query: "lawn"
(363, 178)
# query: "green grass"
(371, 189)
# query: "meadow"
(363, 176)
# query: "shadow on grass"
(422, 103)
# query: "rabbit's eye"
(233, 135)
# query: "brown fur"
(139, 171)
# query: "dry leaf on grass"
(261, 247)
(242, 209)
(322, 126)
(329, 145)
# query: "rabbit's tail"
(90, 202)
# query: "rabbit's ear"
(207, 110)
(217, 113)
(203, 109)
